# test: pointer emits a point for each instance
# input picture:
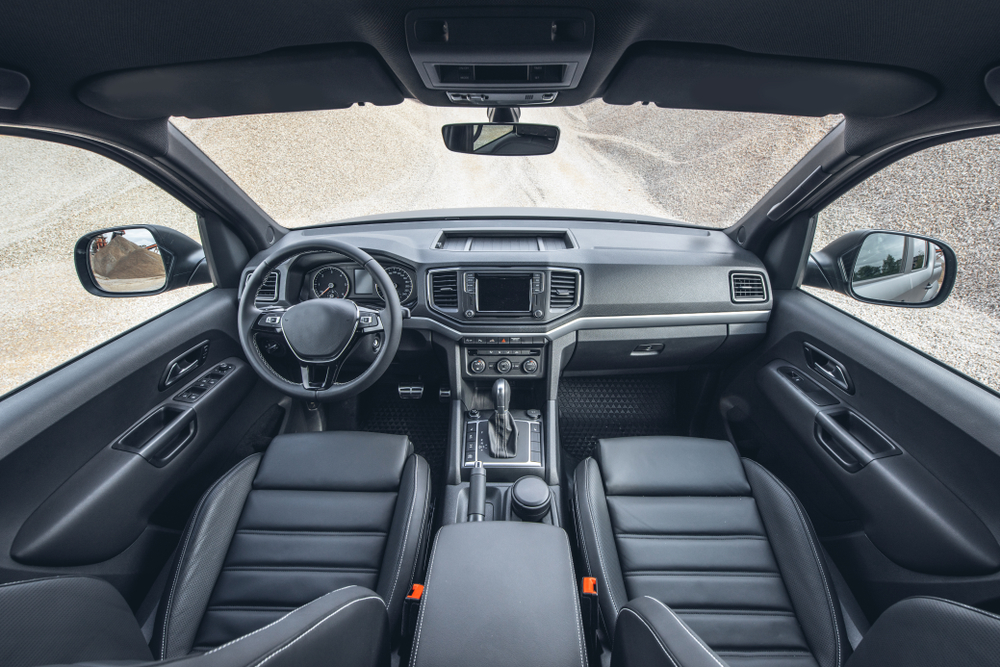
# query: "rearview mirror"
(501, 138)
(889, 268)
(138, 261)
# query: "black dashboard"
(539, 297)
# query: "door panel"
(898, 464)
(76, 499)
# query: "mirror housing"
(181, 261)
(863, 265)
(501, 138)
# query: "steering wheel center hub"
(319, 330)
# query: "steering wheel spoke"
(268, 320)
(317, 377)
(370, 320)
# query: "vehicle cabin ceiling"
(59, 44)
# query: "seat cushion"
(319, 511)
(682, 521)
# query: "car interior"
(500, 436)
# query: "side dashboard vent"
(563, 289)
(748, 288)
(444, 289)
(269, 290)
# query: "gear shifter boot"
(503, 435)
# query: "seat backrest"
(319, 511)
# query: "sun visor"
(692, 77)
(14, 87)
(296, 79)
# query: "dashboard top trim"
(608, 322)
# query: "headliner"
(59, 43)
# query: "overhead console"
(488, 57)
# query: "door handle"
(828, 367)
(184, 364)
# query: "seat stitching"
(815, 553)
(296, 568)
(734, 612)
(165, 638)
(578, 515)
(688, 631)
(981, 612)
(597, 538)
(233, 641)
(766, 654)
(260, 608)
(406, 534)
(576, 602)
(423, 602)
(654, 536)
(695, 573)
(423, 525)
(656, 636)
(318, 623)
(311, 533)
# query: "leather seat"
(300, 533)
(719, 540)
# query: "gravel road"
(310, 168)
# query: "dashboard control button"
(470, 313)
(478, 366)
(529, 366)
(504, 365)
(538, 314)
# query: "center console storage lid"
(500, 593)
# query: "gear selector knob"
(501, 397)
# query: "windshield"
(701, 167)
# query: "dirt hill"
(121, 259)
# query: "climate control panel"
(500, 356)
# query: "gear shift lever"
(503, 431)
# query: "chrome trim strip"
(608, 322)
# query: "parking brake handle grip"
(477, 493)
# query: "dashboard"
(537, 297)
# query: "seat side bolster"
(924, 632)
(650, 634)
(66, 619)
(199, 560)
(797, 552)
(597, 541)
(405, 538)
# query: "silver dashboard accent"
(606, 322)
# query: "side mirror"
(501, 138)
(138, 261)
(888, 268)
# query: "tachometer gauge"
(400, 280)
(331, 283)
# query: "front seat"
(316, 513)
(719, 540)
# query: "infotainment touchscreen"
(503, 294)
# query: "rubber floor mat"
(591, 408)
(424, 420)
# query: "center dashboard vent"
(563, 289)
(748, 288)
(269, 290)
(444, 290)
(503, 241)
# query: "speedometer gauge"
(400, 280)
(330, 282)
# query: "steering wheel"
(321, 333)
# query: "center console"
(499, 594)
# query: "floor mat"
(591, 408)
(424, 420)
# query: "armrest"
(926, 631)
(500, 593)
(349, 626)
(66, 619)
(649, 633)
